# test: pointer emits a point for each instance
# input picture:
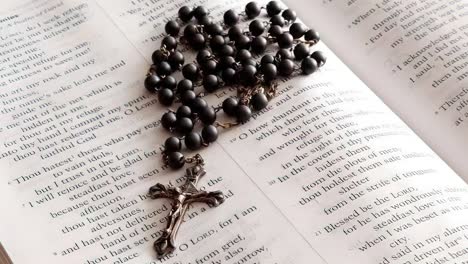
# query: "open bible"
(361, 162)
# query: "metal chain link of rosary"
(226, 58)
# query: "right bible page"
(355, 183)
(413, 55)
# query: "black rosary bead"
(320, 57)
(226, 50)
(275, 31)
(172, 144)
(312, 35)
(198, 104)
(188, 97)
(176, 60)
(259, 101)
(214, 29)
(248, 75)
(243, 113)
(172, 28)
(200, 12)
(286, 67)
(183, 111)
(285, 40)
(283, 54)
(229, 76)
(203, 55)
(259, 45)
(175, 160)
(226, 62)
(158, 56)
(163, 69)
(297, 30)
(184, 85)
(230, 105)
(184, 125)
(190, 31)
(210, 83)
(301, 51)
(169, 82)
(209, 67)
(231, 18)
(252, 10)
(309, 66)
(217, 42)
(243, 55)
(169, 43)
(277, 20)
(205, 21)
(250, 62)
(193, 141)
(185, 13)
(269, 72)
(243, 42)
(256, 27)
(166, 96)
(209, 134)
(235, 32)
(207, 115)
(190, 71)
(289, 15)
(197, 41)
(267, 59)
(273, 8)
(168, 120)
(152, 83)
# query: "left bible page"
(79, 149)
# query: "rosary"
(227, 56)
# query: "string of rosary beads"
(226, 58)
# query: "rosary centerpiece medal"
(233, 53)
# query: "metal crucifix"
(181, 198)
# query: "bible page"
(81, 146)
(326, 149)
(313, 178)
(413, 55)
